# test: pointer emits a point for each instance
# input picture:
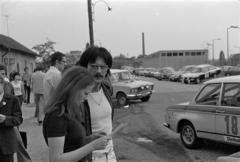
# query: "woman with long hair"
(64, 125)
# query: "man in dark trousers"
(10, 116)
(22, 154)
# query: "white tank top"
(17, 88)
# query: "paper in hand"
(117, 129)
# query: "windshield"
(121, 77)
(196, 70)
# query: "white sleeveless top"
(17, 88)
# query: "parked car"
(126, 87)
(145, 72)
(176, 76)
(235, 70)
(165, 73)
(200, 72)
(213, 114)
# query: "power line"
(10, 6)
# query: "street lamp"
(213, 48)
(91, 18)
(93, 5)
(227, 39)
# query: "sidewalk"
(37, 147)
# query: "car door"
(228, 114)
(202, 111)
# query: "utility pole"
(91, 37)
(7, 24)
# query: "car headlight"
(134, 90)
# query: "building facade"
(16, 56)
(175, 58)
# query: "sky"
(166, 24)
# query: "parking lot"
(146, 120)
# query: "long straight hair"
(66, 96)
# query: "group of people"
(78, 110)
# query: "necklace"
(96, 101)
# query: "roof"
(225, 79)
(10, 43)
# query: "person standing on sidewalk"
(37, 89)
(26, 78)
(65, 118)
(22, 154)
(53, 75)
(18, 87)
(10, 116)
(98, 61)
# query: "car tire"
(145, 99)
(198, 80)
(122, 99)
(189, 137)
(228, 75)
(186, 82)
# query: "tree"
(221, 59)
(140, 56)
(44, 51)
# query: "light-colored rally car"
(213, 114)
(126, 87)
(200, 73)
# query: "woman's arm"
(56, 145)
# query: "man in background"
(26, 78)
(53, 75)
(37, 89)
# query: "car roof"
(233, 79)
(204, 65)
(118, 70)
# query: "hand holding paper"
(117, 129)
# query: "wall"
(20, 61)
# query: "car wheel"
(189, 137)
(185, 81)
(198, 80)
(145, 99)
(228, 75)
(122, 99)
(214, 75)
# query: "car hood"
(133, 84)
(178, 73)
(192, 74)
(180, 106)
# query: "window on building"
(187, 53)
(163, 54)
(199, 53)
(169, 54)
(193, 53)
(180, 54)
(174, 54)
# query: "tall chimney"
(143, 45)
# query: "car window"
(114, 78)
(209, 95)
(205, 69)
(231, 95)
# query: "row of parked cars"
(187, 74)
